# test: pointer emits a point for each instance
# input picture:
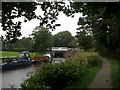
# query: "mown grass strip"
(8, 54)
(11, 54)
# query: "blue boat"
(9, 62)
(21, 60)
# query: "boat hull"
(17, 64)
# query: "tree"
(73, 43)
(42, 40)
(85, 40)
(62, 39)
(2, 43)
(12, 10)
(103, 19)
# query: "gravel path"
(103, 77)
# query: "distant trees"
(41, 41)
(9, 47)
(24, 44)
(62, 39)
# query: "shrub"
(93, 60)
(58, 76)
(86, 59)
(55, 76)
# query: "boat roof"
(24, 52)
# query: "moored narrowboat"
(22, 59)
(9, 62)
(38, 59)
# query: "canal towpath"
(103, 77)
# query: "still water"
(14, 77)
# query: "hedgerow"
(58, 76)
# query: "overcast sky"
(67, 23)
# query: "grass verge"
(11, 54)
(8, 54)
(115, 72)
(87, 78)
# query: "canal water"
(14, 77)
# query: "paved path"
(103, 77)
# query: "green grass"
(115, 75)
(87, 78)
(32, 54)
(8, 54)
(11, 54)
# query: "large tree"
(12, 10)
(42, 40)
(103, 20)
(85, 40)
(62, 39)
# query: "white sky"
(67, 23)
